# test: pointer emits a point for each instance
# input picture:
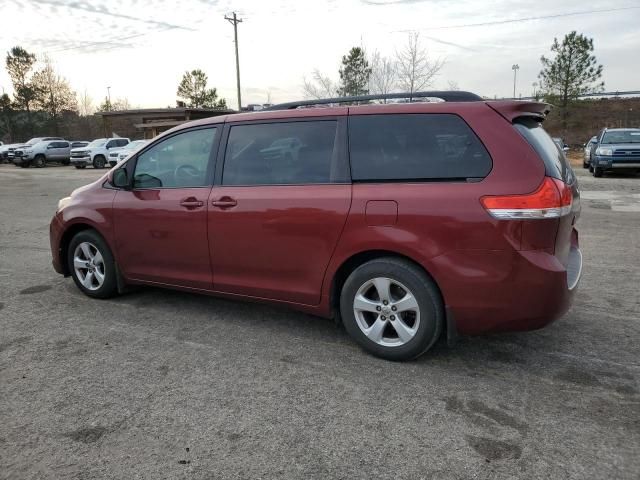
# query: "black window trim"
(408, 181)
(342, 145)
(130, 164)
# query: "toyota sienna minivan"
(407, 221)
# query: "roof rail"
(447, 96)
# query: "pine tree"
(354, 73)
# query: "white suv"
(96, 153)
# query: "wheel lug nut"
(385, 302)
(394, 308)
(392, 317)
(378, 308)
(382, 317)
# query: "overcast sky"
(140, 49)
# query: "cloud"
(101, 10)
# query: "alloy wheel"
(387, 312)
(89, 265)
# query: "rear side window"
(281, 154)
(122, 142)
(555, 162)
(415, 147)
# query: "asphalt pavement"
(161, 384)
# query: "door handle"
(191, 202)
(224, 202)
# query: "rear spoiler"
(511, 110)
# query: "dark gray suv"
(616, 149)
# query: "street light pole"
(235, 21)
(515, 69)
(109, 96)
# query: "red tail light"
(552, 199)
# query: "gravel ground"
(160, 384)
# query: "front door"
(276, 217)
(161, 223)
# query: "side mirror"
(120, 178)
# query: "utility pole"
(515, 69)
(235, 21)
(109, 96)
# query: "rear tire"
(91, 265)
(99, 161)
(65, 162)
(585, 165)
(597, 172)
(40, 161)
(410, 321)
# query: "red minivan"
(408, 221)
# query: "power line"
(524, 19)
(235, 21)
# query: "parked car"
(117, 155)
(28, 144)
(616, 149)
(587, 151)
(96, 153)
(377, 224)
(6, 151)
(41, 153)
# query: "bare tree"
(85, 104)
(320, 86)
(383, 74)
(416, 70)
(453, 85)
(55, 95)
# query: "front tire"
(99, 161)
(40, 161)
(92, 266)
(585, 165)
(597, 172)
(392, 309)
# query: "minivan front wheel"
(91, 265)
(392, 309)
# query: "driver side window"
(178, 162)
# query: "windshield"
(621, 136)
(97, 143)
(134, 145)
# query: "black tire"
(590, 168)
(40, 161)
(422, 288)
(109, 287)
(597, 172)
(585, 164)
(23, 165)
(99, 161)
(65, 162)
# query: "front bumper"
(612, 162)
(80, 160)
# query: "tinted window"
(179, 161)
(555, 162)
(62, 145)
(415, 147)
(281, 153)
(122, 142)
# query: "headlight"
(63, 202)
(604, 151)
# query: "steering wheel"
(187, 173)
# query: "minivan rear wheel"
(392, 309)
(91, 265)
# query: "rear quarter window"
(415, 147)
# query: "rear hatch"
(556, 166)
(527, 118)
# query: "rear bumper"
(502, 291)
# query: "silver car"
(39, 154)
(587, 151)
